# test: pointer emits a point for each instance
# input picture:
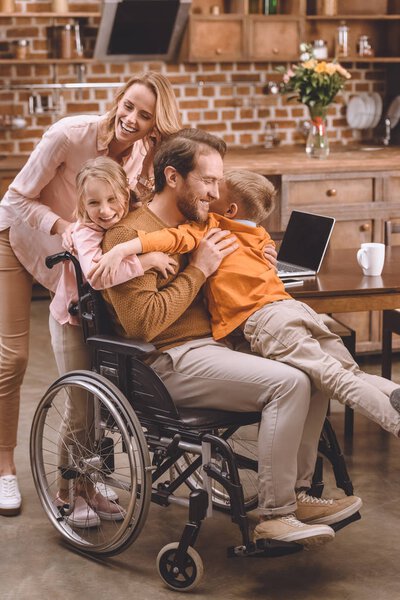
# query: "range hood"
(135, 30)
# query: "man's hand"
(212, 250)
(270, 254)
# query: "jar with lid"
(320, 49)
(364, 47)
(21, 49)
(342, 40)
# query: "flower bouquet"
(314, 83)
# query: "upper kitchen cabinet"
(274, 38)
(240, 31)
(379, 20)
(215, 39)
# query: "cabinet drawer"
(216, 39)
(273, 39)
(351, 234)
(338, 191)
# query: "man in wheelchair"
(201, 373)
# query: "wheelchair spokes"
(243, 441)
(85, 434)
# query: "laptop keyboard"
(289, 269)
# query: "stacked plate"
(364, 110)
(394, 112)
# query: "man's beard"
(189, 207)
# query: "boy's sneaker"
(10, 497)
(325, 511)
(289, 529)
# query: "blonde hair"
(167, 118)
(107, 170)
(254, 193)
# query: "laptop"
(304, 244)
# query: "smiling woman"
(37, 212)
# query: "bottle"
(67, 41)
(270, 7)
(342, 40)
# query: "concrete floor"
(361, 563)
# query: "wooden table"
(340, 286)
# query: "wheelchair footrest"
(345, 522)
(268, 548)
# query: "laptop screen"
(306, 239)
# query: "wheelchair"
(135, 447)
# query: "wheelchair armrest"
(123, 343)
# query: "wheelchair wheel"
(85, 432)
(184, 579)
(244, 443)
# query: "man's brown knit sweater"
(166, 312)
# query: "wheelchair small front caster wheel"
(181, 580)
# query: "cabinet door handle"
(331, 192)
(275, 50)
(365, 227)
(218, 51)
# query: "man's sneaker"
(82, 517)
(324, 511)
(289, 529)
(10, 497)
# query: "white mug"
(371, 257)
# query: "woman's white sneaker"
(290, 529)
(10, 497)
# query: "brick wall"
(225, 98)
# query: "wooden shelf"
(353, 18)
(50, 14)
(45, 61)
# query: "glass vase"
(317, 145)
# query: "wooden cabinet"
(241, 32)
(360, 202)
(272, 38)
(213, 39)
(236, 35)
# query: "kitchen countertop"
(293, 160)
(289, 159)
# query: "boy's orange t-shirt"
(244, 281)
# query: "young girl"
(103, 200)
